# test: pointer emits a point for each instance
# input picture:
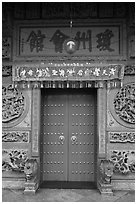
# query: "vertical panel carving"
(35, 121)
(102, 121)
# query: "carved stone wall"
(121, 130)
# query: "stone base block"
(31, 187)
(123, 184)
(105, 189)
(8, 183)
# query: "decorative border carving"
(6, 70)
(14, 159)
(122, 137)
(124, 103)
(124, 161)
(15, 106)
(129, 70)
(15, 136)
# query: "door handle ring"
(73, 138)
(61, 138)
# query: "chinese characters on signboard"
(41, 41)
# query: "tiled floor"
(69, 195)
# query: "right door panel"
(82, 122)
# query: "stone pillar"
(33, 184)
(104, 166)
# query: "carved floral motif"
(12, 103)
(14, 160)
(6, 70)
(124, 103)
(122, 137)
(15, 136)
(124, 161)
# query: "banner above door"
(63, 71)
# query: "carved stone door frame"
(101, 125)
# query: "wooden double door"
(68, 135)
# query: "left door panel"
(54, 116)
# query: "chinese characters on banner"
(67, 71)
(41, 41)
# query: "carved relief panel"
(124, 103)
(121, 107)
(15, 136)
(14, 160)
(121, 137)
(15, 106)
(124, 161)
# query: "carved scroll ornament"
(14, 160)
(122, 137)
(12, 103)
(15, 136)
(124, 161)
(124, 103)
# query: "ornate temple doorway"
(68, 135)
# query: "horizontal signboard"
(99, 40)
